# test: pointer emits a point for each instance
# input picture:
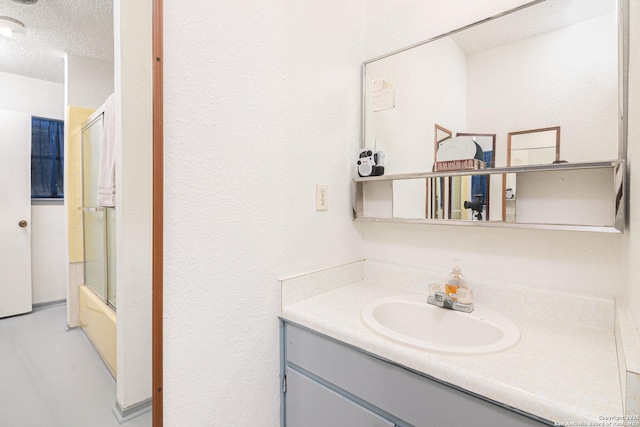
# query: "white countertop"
(559, 371)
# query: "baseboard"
(131, 412)
(42, 305)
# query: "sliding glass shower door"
(98, 222)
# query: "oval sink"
(410, 320)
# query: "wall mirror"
(553, 62)
(547, 63)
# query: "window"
(47, 158)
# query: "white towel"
(107, 165)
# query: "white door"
(15, 213)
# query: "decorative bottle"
(454, 281)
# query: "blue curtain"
(479, 182)
(47, 158)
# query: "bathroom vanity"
(335, 370)
(328, 382)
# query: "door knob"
(23, 223)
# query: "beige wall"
(75, 116)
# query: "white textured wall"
(49, 256)
(134, 135)
(430, 85)
(390, 25)
(88, 82)
(48, 235)
(262, 101)
(633, 156)
(33, 96)
(587, 262)
(571, 72)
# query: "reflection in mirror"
(555, 61)
(481, 184)
(546, 62)
(533, 147)
(410, 198)
(440, 135)
(467, 197)
(377, 199)
(436, 197)
(570, 197)
(528, 147)
(461, 195)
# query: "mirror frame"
(524, 132)
(437, 142)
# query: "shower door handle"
(23, 223)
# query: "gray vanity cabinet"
(328, 383)
(310, 404)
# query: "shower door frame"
(97, 115)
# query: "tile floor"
(50, 377)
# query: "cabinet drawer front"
(411, 397)
(310, 404)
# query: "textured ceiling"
(538, 19)
(55, 27)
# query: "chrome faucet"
(440, 299)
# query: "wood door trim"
(158, 214)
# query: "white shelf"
(493, 171)
(617, 198)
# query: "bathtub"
(98, 321)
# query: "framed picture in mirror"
(526, 148)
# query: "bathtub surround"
(99, 323)
(74, 118)
(282, 81)
(87, 83)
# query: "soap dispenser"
(454, 281)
